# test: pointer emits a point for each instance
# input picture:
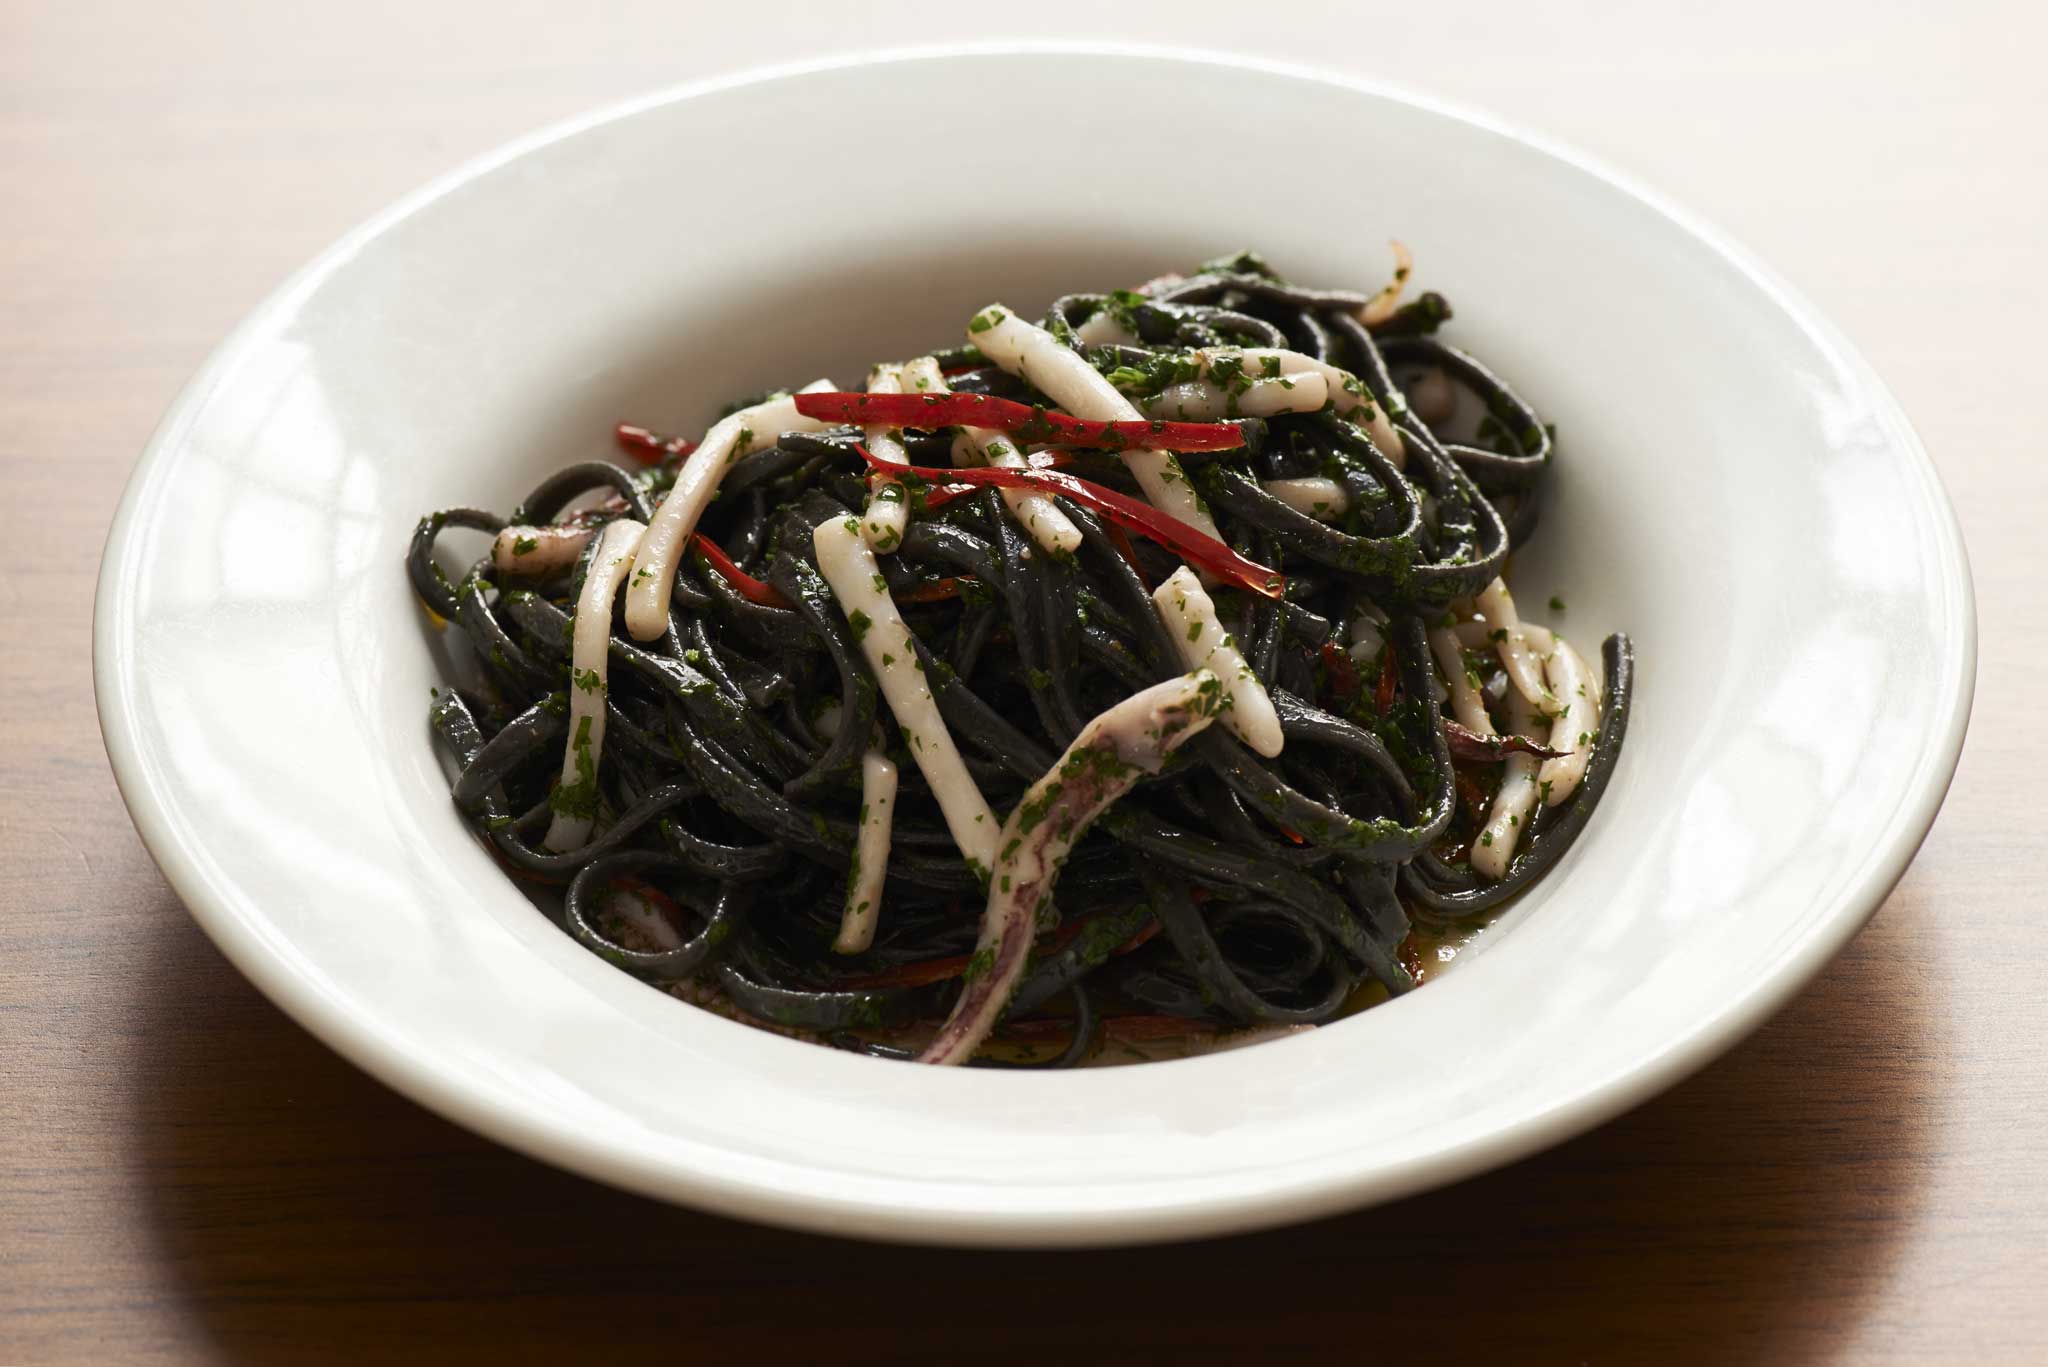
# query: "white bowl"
(1735, 489)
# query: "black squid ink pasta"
(1131, 682)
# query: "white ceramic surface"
(1735, 489)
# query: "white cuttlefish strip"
(1368, 635)
(1104, 328)
(1381, 306)
(661, 550)
(1477, 634)
(1467, 704)
(1059, 372)
(638, 912)
(1497, 605)
(1261, 397)
(1190, 617)
(870, 855)
(1049, 527)
(1433, 398)
(1113, 751)
(537, 552)
(1311, 496)
(850, 568)
(589, 668)
(1347, 392)
(1509, 817)
(888, 511)
(1574, 729)
(922, 375)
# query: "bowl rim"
(364, 1042)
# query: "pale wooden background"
(185, 1175)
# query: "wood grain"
(186, 1176)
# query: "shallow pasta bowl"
(1734, 488)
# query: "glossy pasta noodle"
(1137, 679)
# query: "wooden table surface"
(186, 1175)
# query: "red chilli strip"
(1340, 673)
(939, 970)
(1064, 934)
(1170, 532)
(1468, 744)
(946, 493)
(1145, 932)
(1021, 421)
(650, 448)
(918, 974)
(748, 587)
(935, 590)
(1383, 695)
(1062, 937)
(1124, 548)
